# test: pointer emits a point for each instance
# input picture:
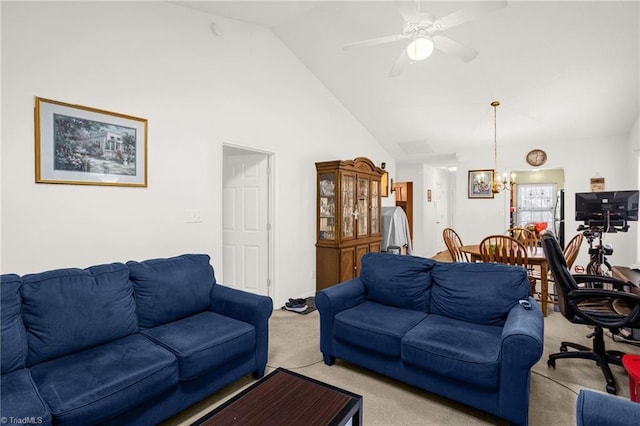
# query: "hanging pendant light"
(497, 185)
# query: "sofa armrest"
(241, 305)
(331, 301)
(248, 307)
(522, 344)
(600, 409)
(523, 335)
(340, 297)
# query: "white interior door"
(246, 222)
(441, 204)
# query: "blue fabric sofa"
(602, 409)
(130, 343)
(455, 329)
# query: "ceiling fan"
(423, 30)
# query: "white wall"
(161, 62)
(616, 158)
(580, 159)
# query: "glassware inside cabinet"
(363, 206)
(375, 207)
(327, 206)
(348, 205)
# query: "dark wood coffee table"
(285, 397)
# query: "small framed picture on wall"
(597, 184)
(480, 183)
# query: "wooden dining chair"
(508, 250)
(527, 237)
(530, 240)
(453, 242)
(572, 249)
(570, 252)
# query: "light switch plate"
(193, 215)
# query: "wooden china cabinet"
(348, 218)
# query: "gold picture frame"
(80, 145)
(480, 183)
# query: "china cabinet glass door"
(348, 205)
(327, 206)
(375, 207)
(363, 207)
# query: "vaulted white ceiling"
(562, 70)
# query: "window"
(535, 203)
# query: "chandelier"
(496, 184)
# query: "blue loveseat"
(455, 329)
(602, 409)
(130, 343)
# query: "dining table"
(536, 258)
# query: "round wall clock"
(536, 157)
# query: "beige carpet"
(294, 344)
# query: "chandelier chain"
(496, 185)
(495, 136)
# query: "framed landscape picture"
(87, 146)
(480, 183)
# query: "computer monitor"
(607, 208)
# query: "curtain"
(535, 203)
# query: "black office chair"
(583, 299)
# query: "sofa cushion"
(456, 349)
(480, 293)
(68, 310)
(170, 289)
(13, 343)
(401, 281)
(204, 341)
(20, 399)
(106, 380)
(376, 327)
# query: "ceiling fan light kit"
(420, 48)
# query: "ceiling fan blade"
(373, 41)
(454, 48)
(410, 10)
(401, 63)
(469, 13)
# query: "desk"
(629, 275)
(536, 258)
